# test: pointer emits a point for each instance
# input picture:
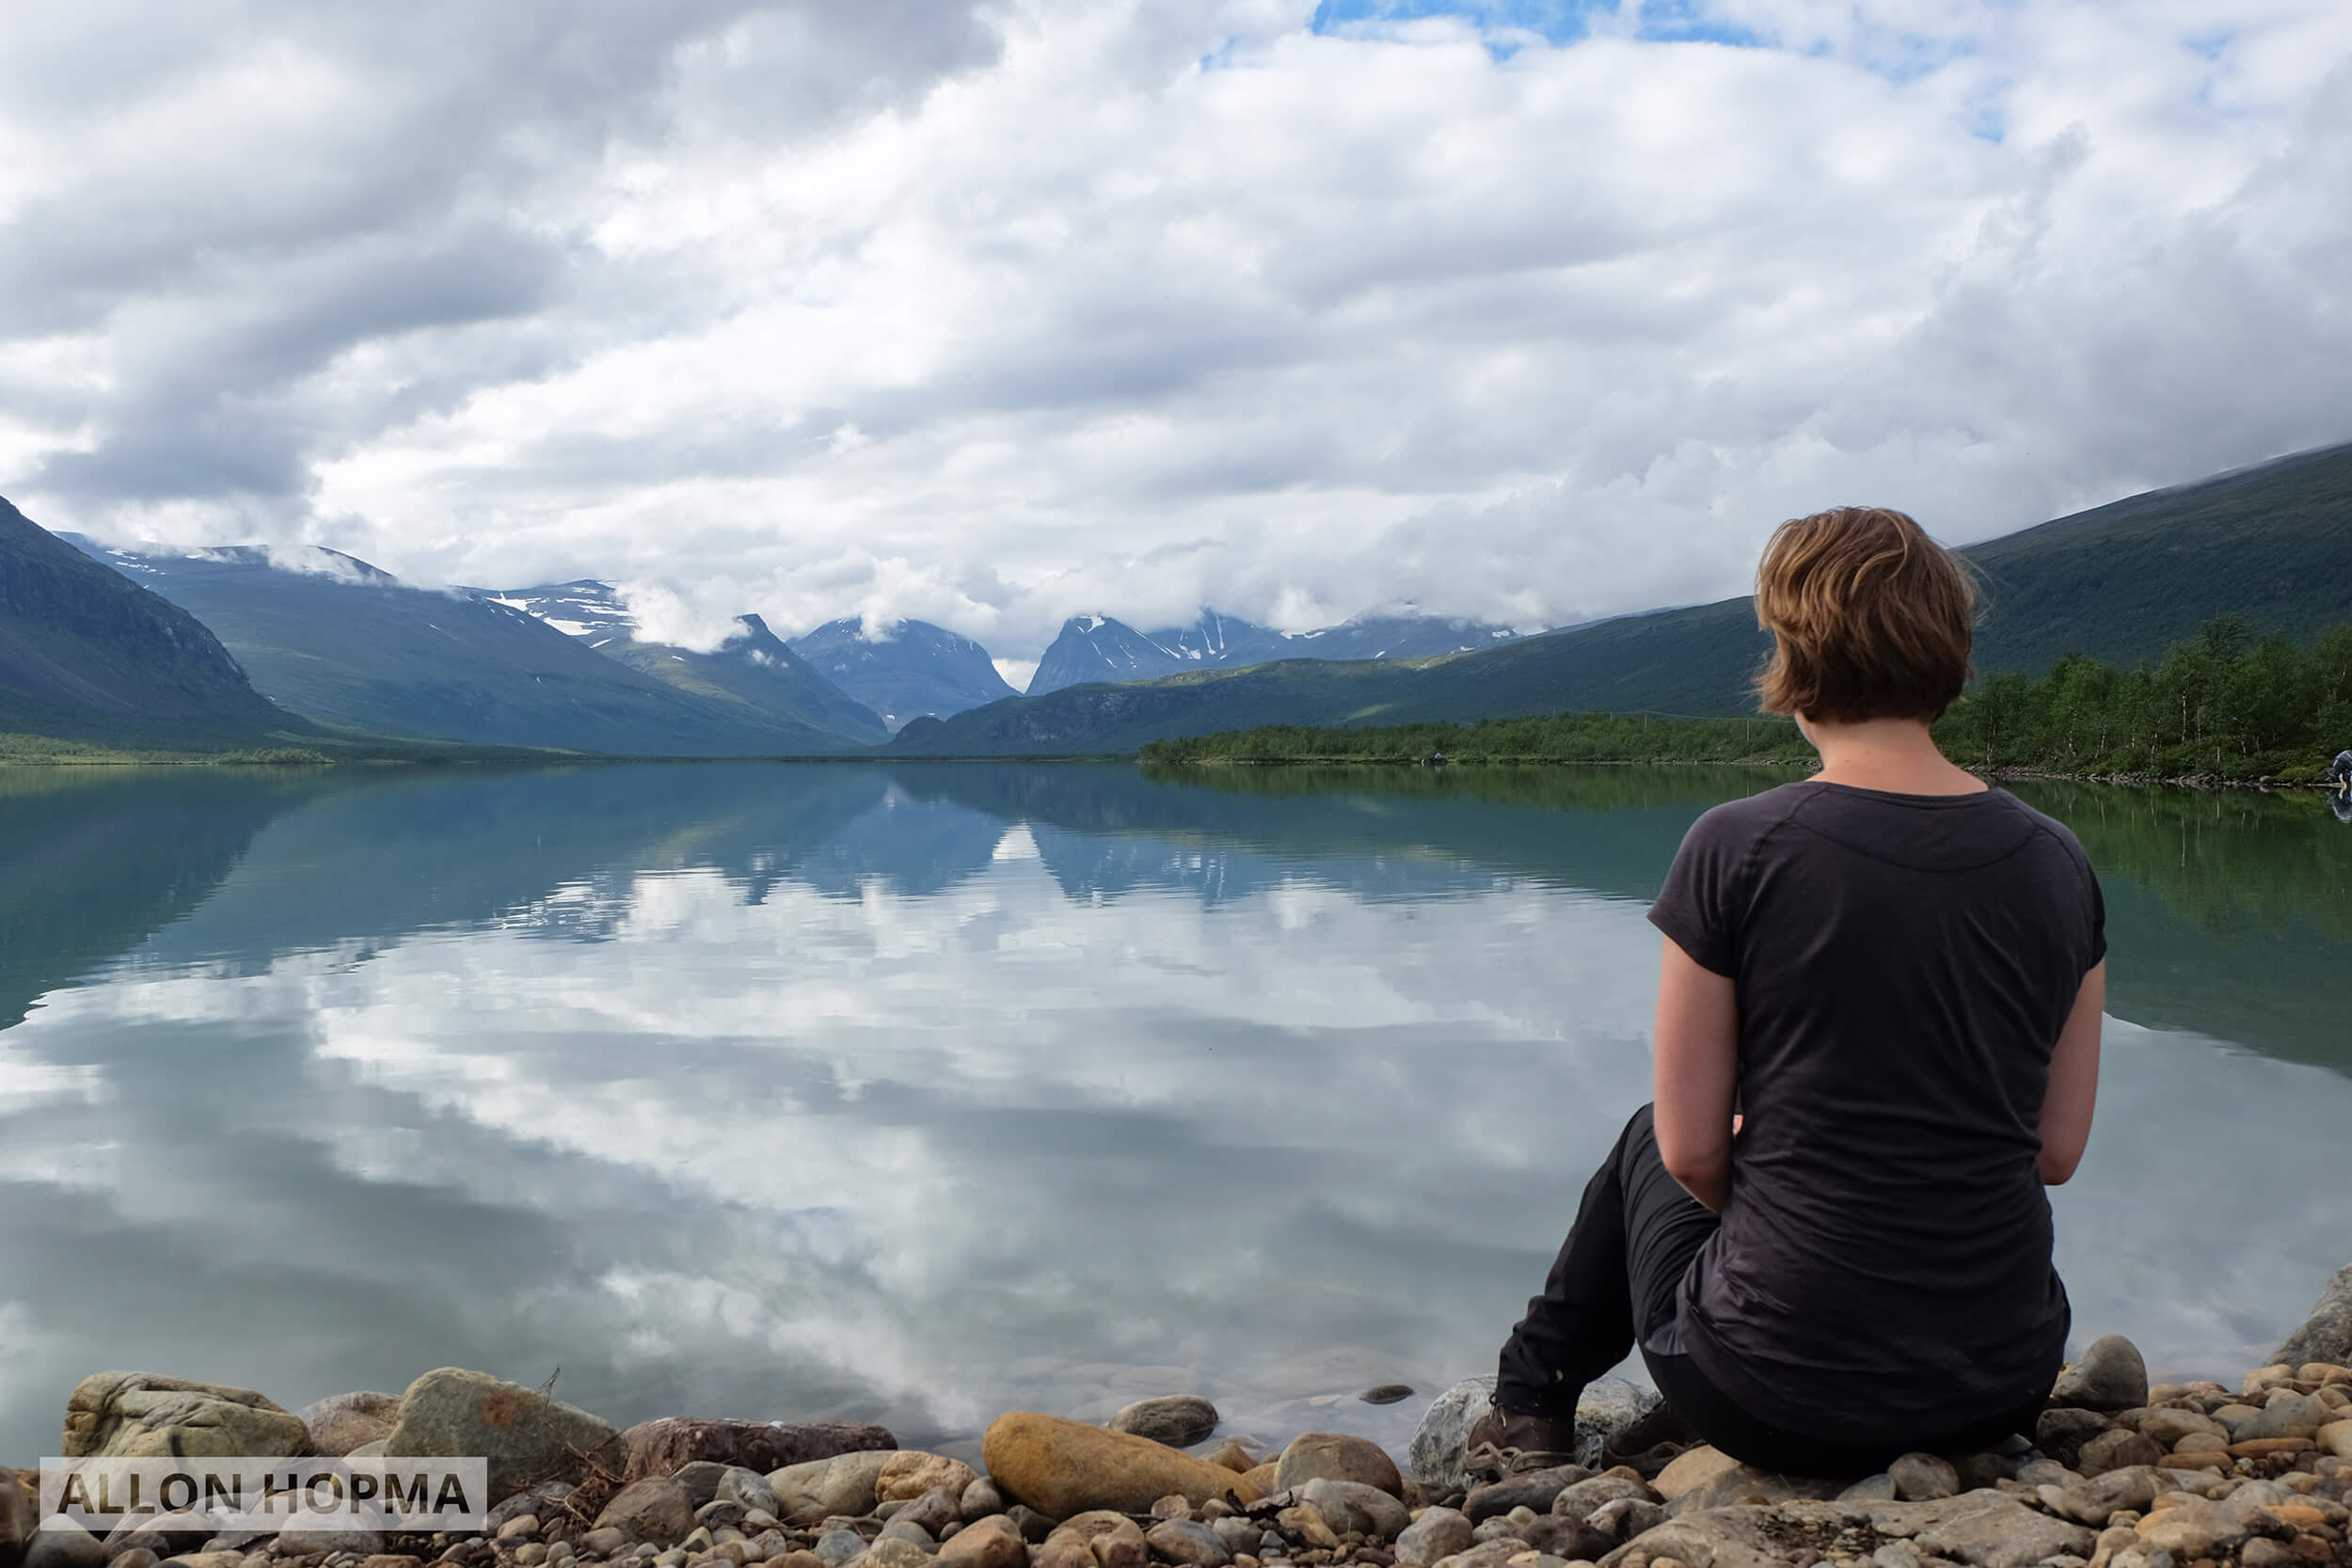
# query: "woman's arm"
(1696, 1056)
(2073, 1082)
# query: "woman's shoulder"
(1742, 824)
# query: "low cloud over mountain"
(988, 316)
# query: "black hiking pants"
(1615, 1284)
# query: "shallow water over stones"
(914, 1095)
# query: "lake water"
(918, 1094)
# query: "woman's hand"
(1696, 1064)
(2066, 1104)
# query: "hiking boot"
(1662, 1426)
(1503, 1444)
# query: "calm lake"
(917, 1094)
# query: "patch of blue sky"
(1557, 21)
(1897, 57)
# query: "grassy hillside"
(2121, 583)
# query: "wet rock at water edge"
(1440, 1443)
(2325, 1334)
(1179, 1420)
(2111, 1376)
(1336, 1456)
(1063, 1468)
(1388, 1393)
(142, 1415)
(526, 1436)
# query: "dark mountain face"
(754, 667)
(2121, 582)
(340, 642)
(83, 650)
(1098, 648)
(918, 670)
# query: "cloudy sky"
(992, 311)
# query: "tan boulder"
(809, 1492)
(1062, 1468)
(1336, 1456)
(141, 1415)
(906, 1475)
(991, 1543)
(1690, 1469)
(2336, 1438)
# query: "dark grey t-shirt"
(1904, 964)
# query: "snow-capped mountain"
(755, 666)
(1098, 648)
(913, 670)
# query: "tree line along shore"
(2219, 708)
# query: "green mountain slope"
(344, 643)
(2121, 582)
(87, 655)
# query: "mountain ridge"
(753, 666)
(85, 653)
(1094, 647)
(2123, 581)
(353, 647)
(917, 669)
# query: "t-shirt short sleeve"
(1701, 905)
(2097, 947)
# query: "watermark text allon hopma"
(265, 1493)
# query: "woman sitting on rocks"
(1877, 1042)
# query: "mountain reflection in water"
(919, 1093)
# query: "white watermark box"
(270, 1494)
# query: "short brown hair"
(1870, 617)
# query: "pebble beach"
(2251, 1472)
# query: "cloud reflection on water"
(781, 1091)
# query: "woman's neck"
(1896, 755)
